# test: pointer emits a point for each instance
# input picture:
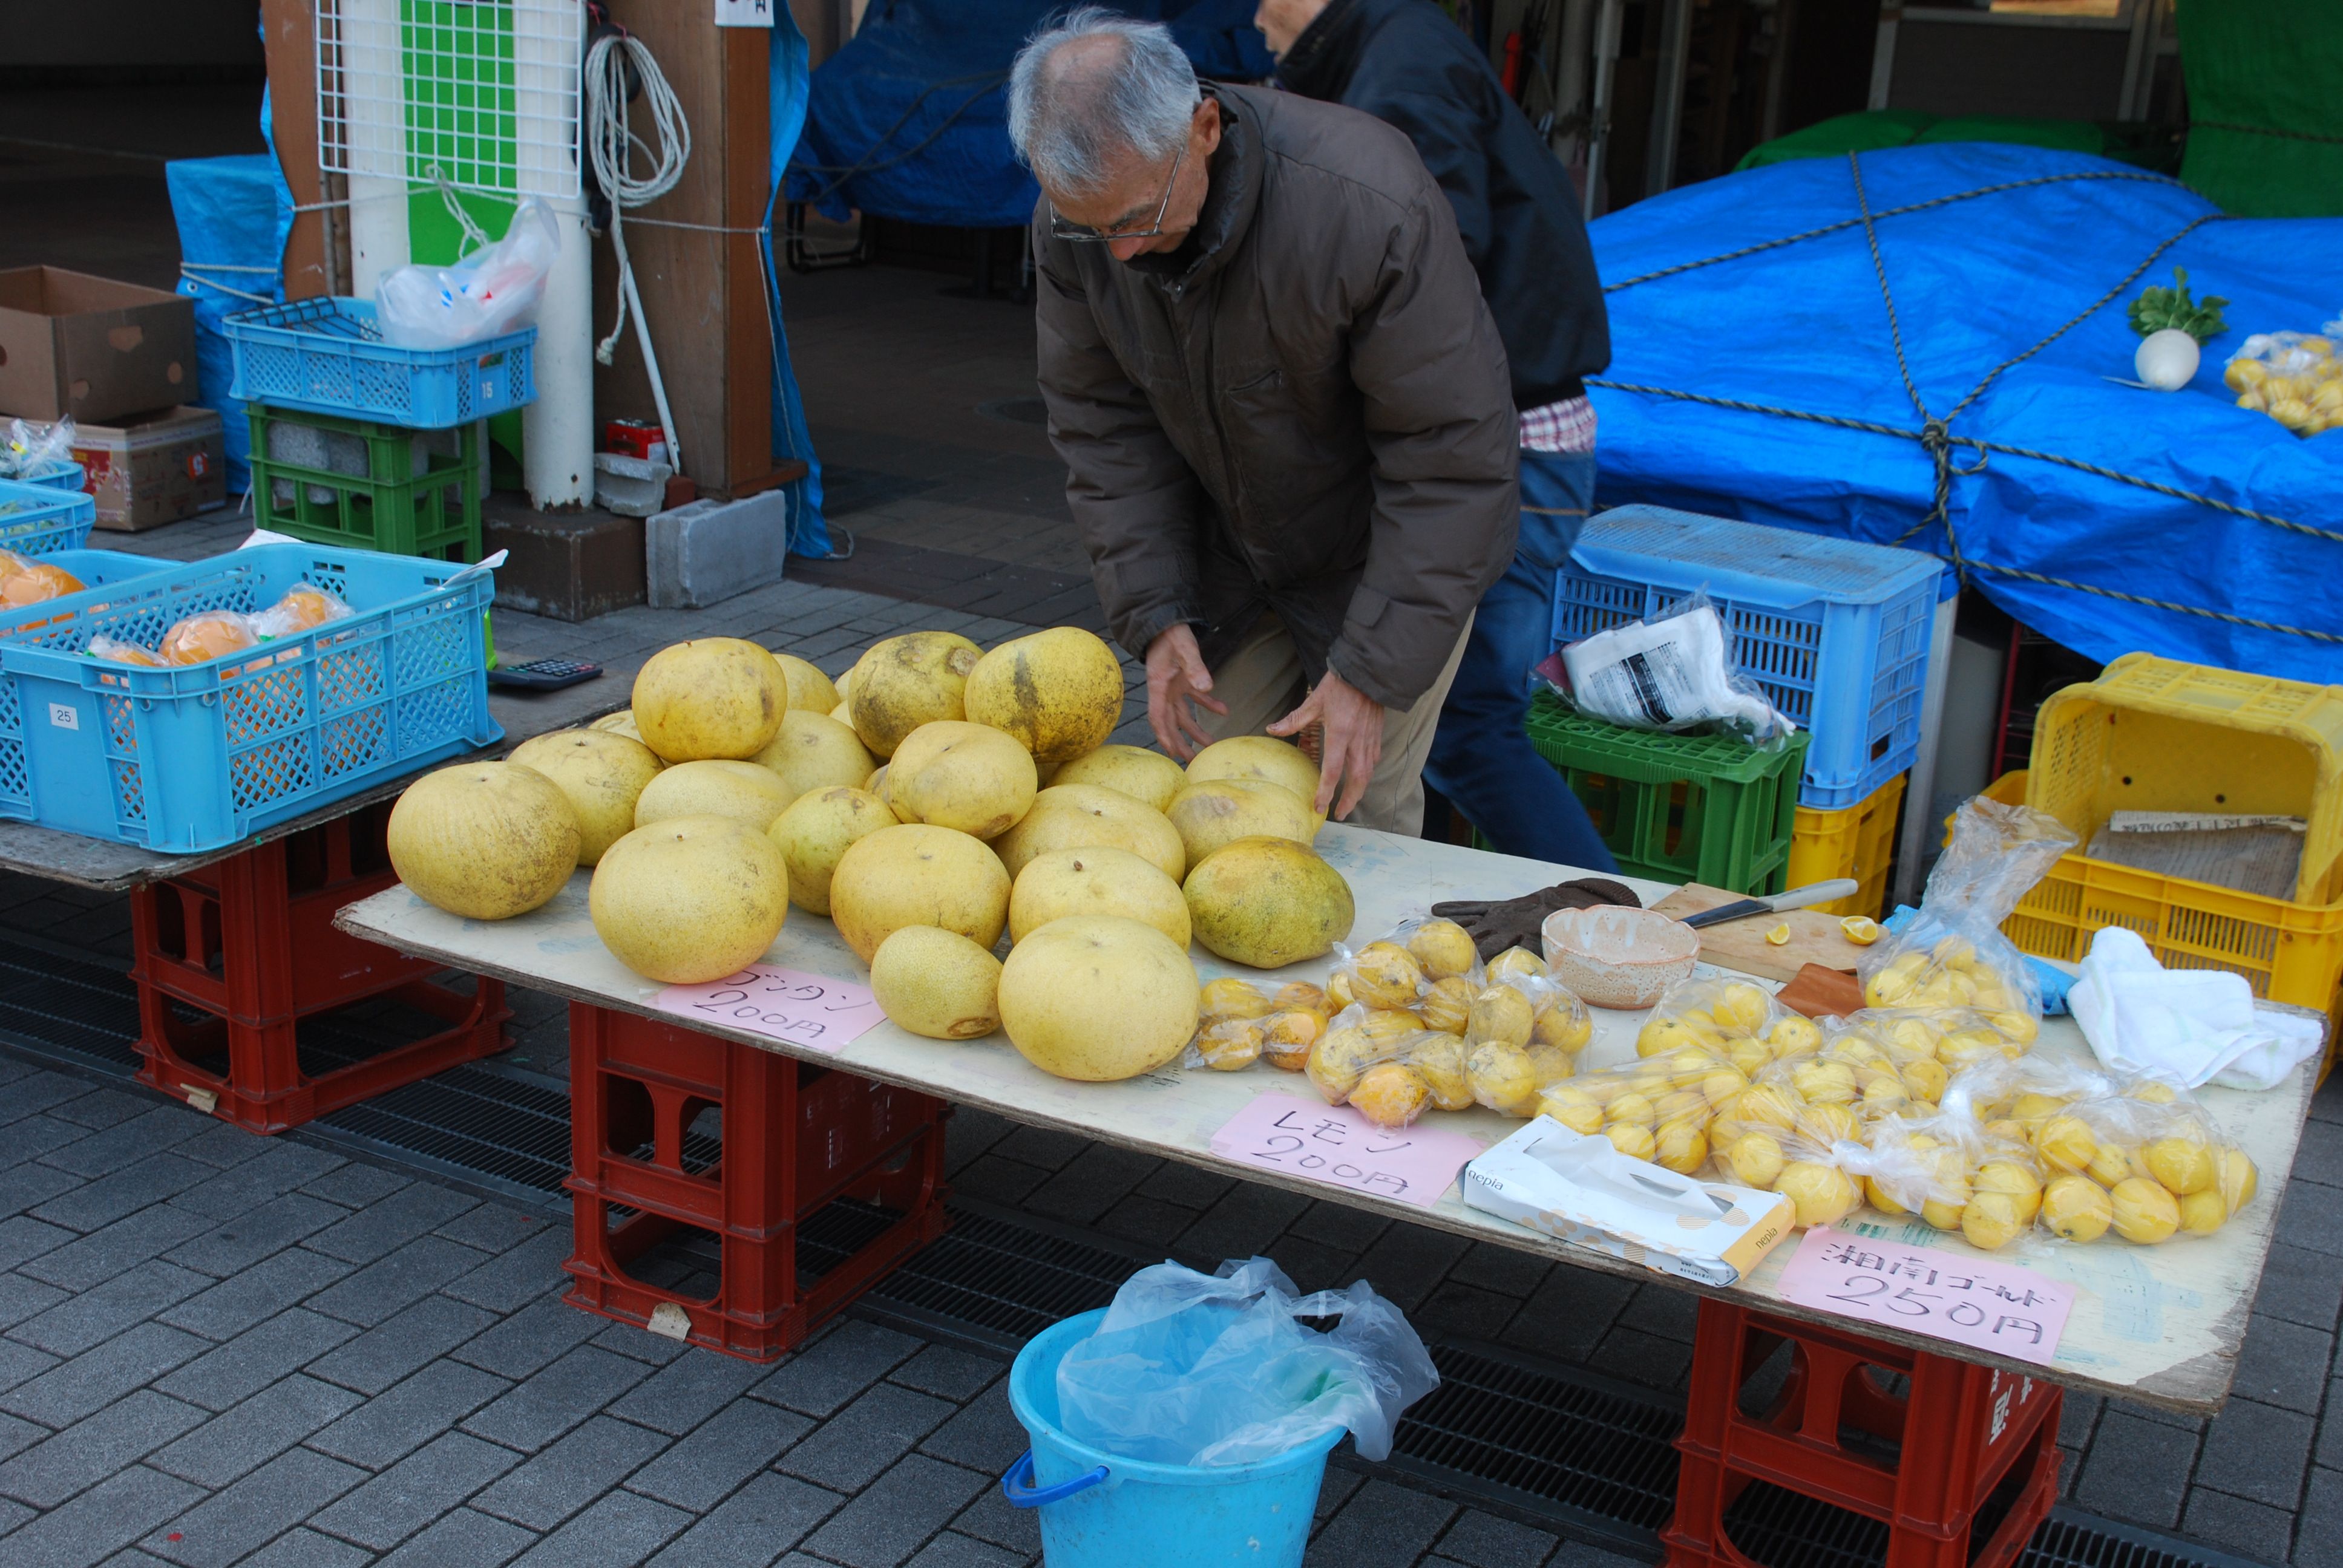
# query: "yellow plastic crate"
(1855, 842)
(2157, 735)
(2289, 951)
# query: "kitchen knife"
(1775, 903)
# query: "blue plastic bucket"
(1099, 1510)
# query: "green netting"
(2265, 116)
(462, 109)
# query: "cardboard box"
(71, 344)
(154, 471)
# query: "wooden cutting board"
(1815, 937)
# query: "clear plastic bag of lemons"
(1385, 1065)
(2295, 377)
(1415, 960)
(1954, 1176)
(1660, 1109)
(1737, 1020)
(1239, 1023)
(2148, 1164)
(2010, 1096)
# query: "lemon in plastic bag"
(2076, 1208)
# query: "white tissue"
(2189, 1027)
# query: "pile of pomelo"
(935, 798)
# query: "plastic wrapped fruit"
(1287, 1036)
(302, 608)
(23, 581)
(215, 634)
(1390, 1094)
(1504, 1078)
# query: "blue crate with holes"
(58, 476)
(37, 520)
(198, 757)
(1836, 632)
(326, 355)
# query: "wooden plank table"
(2158, 1324)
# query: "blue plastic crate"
(199, 757)
(328, 355)
(64, 477)
(108, 569)
(36, 520)
(1835, 631)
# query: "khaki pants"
(1261, 682)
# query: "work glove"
(1496, 925)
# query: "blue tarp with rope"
(1913, 347)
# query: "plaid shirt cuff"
(1564, 426)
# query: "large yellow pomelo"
(917, 874)
(623, 723)
(1261, 757)
(1268, 902)
(712, 697)
(907, 681)
(816, 832)
(810, 691)
(690, 898)
(1099, 998)
(1059, 692)
(1220, 812)
(602, 772)
(955, 774)
(486, 841)
(1148, 777)
(715, 788)
(813, 751)
(1095, 881)
(937, 983)
(1076, 815)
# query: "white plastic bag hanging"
(1675, 672)
(491, 291)
(1211, 1369)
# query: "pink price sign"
(798, 1008)
(1336, 1145)
(1970, 1301)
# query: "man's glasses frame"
(1084, 233)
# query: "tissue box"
(1581, 1189)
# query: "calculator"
(544, 674)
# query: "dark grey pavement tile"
(1489, 1267)
(95, 1447)
(463, 1540)
(95, 1379)
(23, 1238)
(993, 1518)
(2284, 1364)
(121, 1246)
(1149, 1221)
(98, 1109)
(2138, 1470)
(2254, 1531)
(1457, 1311)
(126, 1192)
(497, 1227)
(396, 1280)
(1579, 1554)
(391, 1350)
(107, 1517)
(258, 1292)
(393, 1424)
(225, 1144)
(1091, 1184)
(258, 1232)
(619, 1532)
(419, 1489)
(238, 1441)
(387, 1224)
(257, 1182)
(308, 1549)
(21, 1298)
(1484, 1541)
(642, 1344)
(736, 1441)
(40, 1091)
(2258, 1451)
(899, 1511)
(557, 1399)
(521, 1273)
(533, 1337)
(29, 1186)
(949, 1372)
(256, 1359)
(126, 1143)
(687, 1392)
(823, 1377)
(570, 1473)
(15, 1436)
(1381, 1526)
(253, 1510)
(356, 1184)
(849, 1450)
(768, 1516)
(983, 1436)
(951, 1550)
(37, 1135)
(20, 1363)
(1648, 1359)
(80, 1322)
(1339, 1226)
(1243, 1224)
(2318, 1530)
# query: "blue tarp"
(1804, 326)
(808, 533)
(234, 214)
(910, 121)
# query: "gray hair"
(1070, 123)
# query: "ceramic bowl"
(1617, 956)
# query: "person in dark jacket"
(1408, 64)
(1282, 404)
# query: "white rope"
(610, 146)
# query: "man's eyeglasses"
(1085, 234)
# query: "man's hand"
(1176, 677)
(1354, 739)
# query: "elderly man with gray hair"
(1284, 411)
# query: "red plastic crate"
(250, 943)
(1953, 1437)
(796, 1138)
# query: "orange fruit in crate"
(38, 581)
(302, 609)
(130, 653)
(206, 637)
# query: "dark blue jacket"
(1405, 63)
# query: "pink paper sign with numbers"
(1336, 1145)
(809, 1011)
(1968, 1300)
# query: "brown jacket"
(1305, 409)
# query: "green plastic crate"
(1709, 809)
(419, 496)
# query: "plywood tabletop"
(2159, 1324)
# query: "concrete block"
(570, 566)
(706, 552)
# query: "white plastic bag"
(34, 450)
(1193, 1369)
(491, 291)
(2192, 1027)
(1673, 673)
